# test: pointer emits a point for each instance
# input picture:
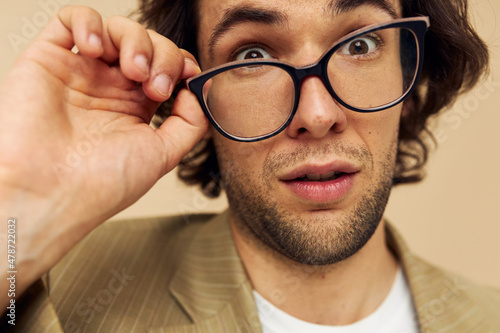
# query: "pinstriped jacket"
(183, 274)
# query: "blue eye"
(252, 53)
(360, 46)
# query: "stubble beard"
(318, 239)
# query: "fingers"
(129, 41)
(167, 65)
(80, 26)
(147, 57)
(144, 55)
(191, 67)
(183, 129)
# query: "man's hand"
(75, 141)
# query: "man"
(320, 106)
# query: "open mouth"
(332, 175)
(321, 183)
(321, 188)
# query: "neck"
(338, 294)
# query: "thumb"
(183, 129)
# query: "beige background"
(451, 219)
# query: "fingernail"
(191, 62)
(163, 85)
(142, 62)
(95, 41)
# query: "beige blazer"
(183, 274)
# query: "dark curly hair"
(455, 59)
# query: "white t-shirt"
(396, 314)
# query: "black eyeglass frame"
(417, 25)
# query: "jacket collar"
(444, 302)
(211, 284)
(212, 287)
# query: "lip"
(321, 191)
(301, 171)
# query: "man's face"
(315, 192)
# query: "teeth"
(323, 176)
(313, 177)
(329, 174)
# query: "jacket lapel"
(214, 290)
(444, 301)
(211, 284)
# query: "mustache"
(340, 150)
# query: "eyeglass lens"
(369, 71)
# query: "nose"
(318, 113)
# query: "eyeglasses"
(368, 70)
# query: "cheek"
(240, 158)
(378, 130)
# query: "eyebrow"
(343, 6)
(243, 14)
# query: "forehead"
(220, 16)
(214, 10)
(219, 6)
